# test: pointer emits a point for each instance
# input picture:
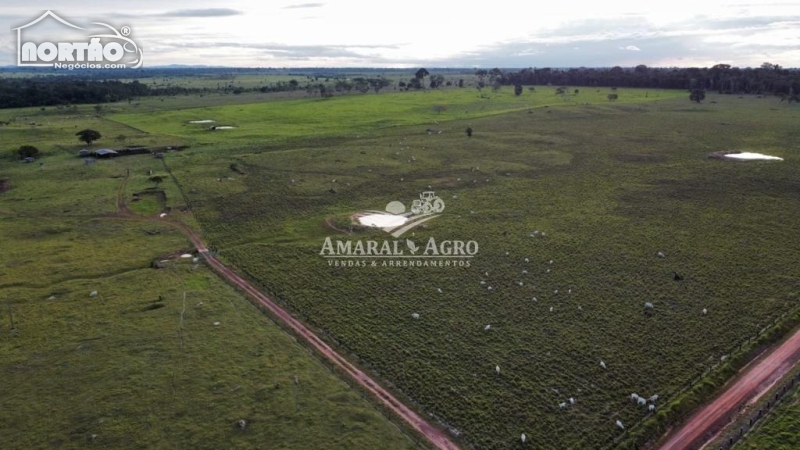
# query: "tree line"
(767, 79)
(67, 90)
(18, 92)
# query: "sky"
(435, 33)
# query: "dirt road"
(435, 436)
(750, 383)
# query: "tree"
(612, 97)
(436, 81)
(517, 90)
(469, 132)
(324, 91)
(495, 75)
(98, 109)
(480, 87)
(378, 83)
(697, 95)
(27, 151)
(88, 136)
(461, 83)
(156, 180)
(420, 76)
(481, 75)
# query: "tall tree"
(481, 75)
(88, 136)
(420, 75)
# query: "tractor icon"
(428, 203)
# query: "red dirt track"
(435, 436)
(772, 367)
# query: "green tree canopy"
(697, 95)
(88, 136)
(28, 151)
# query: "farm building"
(30, 159)
(105, 153)
(83, 153)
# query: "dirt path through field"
(434, 435)
(755, 380)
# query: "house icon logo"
(106, 48)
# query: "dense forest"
(62, 90)
(767, 79)
(88, 87)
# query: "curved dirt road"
(694, 433)
(434, 435)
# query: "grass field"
(161, 358)
(349, 116)
(610, 183)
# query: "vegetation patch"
(149, 202)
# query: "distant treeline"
(63, 90)
(767, 79)
(90, 87)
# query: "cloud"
(631, 48)
(207, 12)
(294, 52)
(305, 5)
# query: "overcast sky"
(438, 33)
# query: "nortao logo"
(395, 220)
(109, 49)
